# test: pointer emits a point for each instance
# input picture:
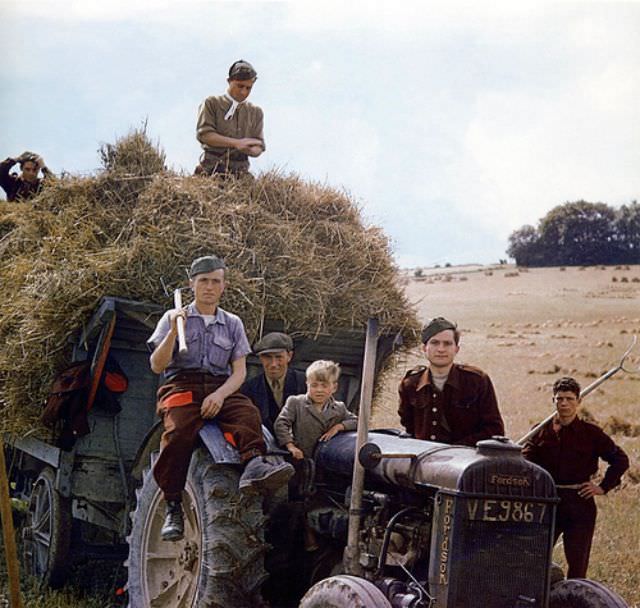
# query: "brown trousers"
(237, 417)
(576, 521)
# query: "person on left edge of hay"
(202, 384)
(27, 184)
(229, 128)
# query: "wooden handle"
(182, 339)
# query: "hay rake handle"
(585, 391)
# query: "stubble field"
(526, 328)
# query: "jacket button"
(432, 437)
(434, 423)
(434, 409)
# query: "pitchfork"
(585, 391)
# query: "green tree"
(578, 233)
(524, 247)
(627, 233)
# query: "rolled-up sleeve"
(206, 122)
(241, 346)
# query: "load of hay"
(296, 252)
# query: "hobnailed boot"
(173, 528)
(265, 474)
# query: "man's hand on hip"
(590, 489)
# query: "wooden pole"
(351, 558)
(8, 533)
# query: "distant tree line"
(580, 234)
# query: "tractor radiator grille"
(496, 562)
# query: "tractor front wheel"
(583, 593)
(344, 591)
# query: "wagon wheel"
(583, 593)
(344, 592)
(218, 563)
(47, 531)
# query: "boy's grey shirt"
(301, 423)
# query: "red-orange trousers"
(179, 402)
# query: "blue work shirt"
(211, 348)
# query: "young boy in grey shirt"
(316, 416)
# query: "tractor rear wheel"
(344, 591)
(47, 531)
(583, 593)
(218, 563)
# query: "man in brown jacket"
(229, 128)
(570, 448)
(445, 401)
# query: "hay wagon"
(79, 499)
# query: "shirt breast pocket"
(220, 351)
(465, 404)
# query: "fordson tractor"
(397, 522)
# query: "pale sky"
(452, 124)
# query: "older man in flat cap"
(229, 128)
(204, 383)
(445, 401)
(270, 389)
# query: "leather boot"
(264, 474)
(173, 528)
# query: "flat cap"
(274, 342)
(207, 263)
(242, 70)
(435, 326)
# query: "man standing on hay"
(27, 184)
(445, 401)
(270, 389)
(570, 448)
(202, 384)
(229, 127)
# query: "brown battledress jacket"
(463, 413)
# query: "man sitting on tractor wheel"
(569, 448)
(202, 384)
(446, 401)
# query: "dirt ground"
(528, 327)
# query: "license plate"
(486, 509)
